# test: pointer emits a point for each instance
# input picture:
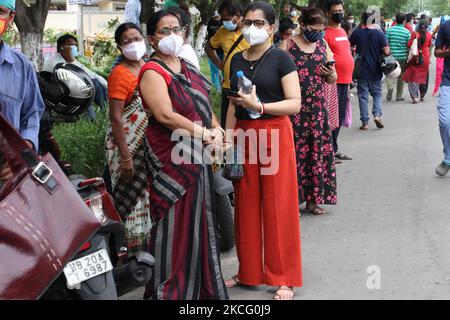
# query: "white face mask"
(134, 51)
(171, 45)
(293, 13)
(255, 36)
(351, 21)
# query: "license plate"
(87, 267)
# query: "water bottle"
(246, 85)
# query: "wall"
(93, 22)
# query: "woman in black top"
(266, 196)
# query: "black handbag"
(233, 169)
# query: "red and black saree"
(183, 238)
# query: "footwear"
(415, 101)
(232, 282)
(314, 209)
(422, 99)
(364, 127)
(342, 156)
(337, 161)
(442, 169)
(389, 94)
(284, 293)
(400, 99)
(378, 123)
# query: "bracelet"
(204, 133)
(221, 130)
(262, 109)
(126, 160)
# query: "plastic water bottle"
(246, 85)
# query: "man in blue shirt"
(370, 43)
(20, 99)
(443, 51)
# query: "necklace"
(252, 65)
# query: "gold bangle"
(126, 160)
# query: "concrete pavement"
(393, 214)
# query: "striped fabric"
(398, 37)
(183, 237)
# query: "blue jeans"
(374, 88)
(444, 120)
(216, 75)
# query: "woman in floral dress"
(313, 142)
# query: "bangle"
(126, 160)
(204, 133)
(221, 130)
(262, 109)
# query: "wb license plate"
(87, 267)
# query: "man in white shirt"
(133, 11)
(66, 51)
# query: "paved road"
(393, 213)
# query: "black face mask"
(312, 36)
(337, 17)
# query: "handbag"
(43, 220)
(233, 169)
(415, 55)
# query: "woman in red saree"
(183, 237)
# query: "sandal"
(342, 156)
(232, 282)
(364, 127)
(314, 209)
(279, 293)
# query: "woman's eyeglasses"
(167, 31)
(257, 23)
(130, 41)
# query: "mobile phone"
(330, 63)
(230, 93)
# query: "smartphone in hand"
(230, 93)
(330, 63)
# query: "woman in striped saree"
(183, 238)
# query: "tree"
(30, 21)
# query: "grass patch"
(82, 144)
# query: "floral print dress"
(313, 142)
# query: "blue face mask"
(229, 25)
(313, 36)
(74, 51)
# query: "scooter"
(101, 270)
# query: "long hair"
(423, 26)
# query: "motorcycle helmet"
(395, 73)
(388, 64)
(68, 90)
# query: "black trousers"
(223, 110)
(343, 91)
(423, 88)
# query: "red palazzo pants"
(267, 222)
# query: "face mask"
(3, 25)
(337, 17)
(74, 51)
(255, 36)
(312, 36)
(171, 45)
(293, 13)
(134, 51)
(229, 25)
(351, 21)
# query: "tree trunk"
(31, 43)
(30, 20)
(201, 35)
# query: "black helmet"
(68, 90)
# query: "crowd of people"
(302, 71)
